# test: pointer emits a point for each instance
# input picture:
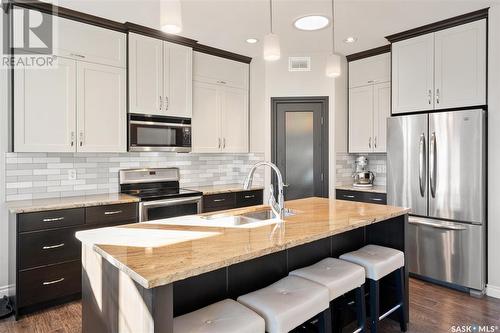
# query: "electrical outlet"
(72, 174)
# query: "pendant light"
(171, 16)
(333, 61)
(271, 41)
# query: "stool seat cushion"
(339, 276)
(226, 316)
(287, 303)
(378, 261)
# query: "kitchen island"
(137, 277)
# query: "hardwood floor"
(432, 309)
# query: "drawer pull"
(249, 196)
(54, 219)
(376, 199)
(349, 196)
(77, 55)
(46, 283)
(113, 212)
(219, 200)
(49, 247)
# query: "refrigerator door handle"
(421, 165)
(436, 225)
(432, 164)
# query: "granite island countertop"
(40, 205)
(157, 253)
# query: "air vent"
(299, 64)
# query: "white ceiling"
(228, 23)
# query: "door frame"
(324, 101)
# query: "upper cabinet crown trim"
(221, 53)
(150, 32)
(441, 25)
(369, 53)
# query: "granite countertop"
(226, 188)
(160, 252)
(373, 189)
(39, 205)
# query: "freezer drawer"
(447, 251)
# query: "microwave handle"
(152, 123)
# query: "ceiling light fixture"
(350, 40)
(272, 50)
(252, 40)
(311, 22)
(333, 68)
(171, 16)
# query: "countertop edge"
(375, 189)
(238, 259)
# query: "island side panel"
(113, 302)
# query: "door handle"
(113, 213)
(370, 142)
(81, 138)
(437, 95)
(430, 96)
(161, 103)
(167, 104)
(219, 143)
(432, 164)
(53, 219)
(46, 283)
(435, 225)
(348, 196)
(50, 247)
(72, 138)
(421, 165)
(224, 143)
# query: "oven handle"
(152, 123)
(170, 202)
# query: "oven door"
(159, 136)
(163, 209)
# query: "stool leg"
(325, 321)
(361, 308)
(374, 305)
(400, 289)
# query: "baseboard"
(493, 291)
(5, 290)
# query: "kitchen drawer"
(216, 202)
(126, 213)
(42, 248)
(51, 219)
(359, 196)
(49, 283)
(249, 198)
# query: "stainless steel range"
(159, 192)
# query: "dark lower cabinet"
(47, 261)
(360, 196)
(223, 201)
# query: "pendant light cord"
(333, 29)
(271, 13)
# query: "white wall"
(493, 151)
(341, 110)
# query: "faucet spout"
(278, 206)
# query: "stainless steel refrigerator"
(436, 165)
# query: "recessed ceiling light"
(252, 40)
(311, 22)
(350, 40)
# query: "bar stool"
(340, 277)
(226, 316)
(380, 261)
(290, 302)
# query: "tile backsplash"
(345, 166)
(48, 175)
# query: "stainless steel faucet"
(278, 208)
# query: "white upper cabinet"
(360, 119)
(145, 74)
(220, 105)
(45, 108)
(212, 69)
(101, 108)
(86, 42)
(178, 80)
(376, 69)
(413, 74)
(160, 77)
(381, 111)
(460, 66)
(441, 70)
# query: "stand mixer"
(362, 176)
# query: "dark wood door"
(300, 145)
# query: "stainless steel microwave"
(159, 133)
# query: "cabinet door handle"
(224, 143)
(249, 196)
(53, 219)
(222, 82)
(375, 142)
(430, 96)
(161, 103)
(219, 200)
(72, 138)
(77, 55)
(113, 212)
(81, 138)
(437, 95)
(219, 143)
(348, 196)
(370, 142)
(376, 199)
(167, 104)
(50, 247)
(46, 283)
